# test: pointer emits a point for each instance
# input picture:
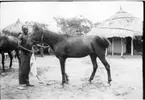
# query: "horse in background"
(7, 45)
(66, 46)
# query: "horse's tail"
(106, 42)
(103, 42)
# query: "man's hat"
(25, 27)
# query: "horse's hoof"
(109, 84)
(62, 85)
(67, 81)
(90, 81)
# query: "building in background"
(14, 29)
(123, 30)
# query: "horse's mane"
(39, 28)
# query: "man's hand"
(41, 46)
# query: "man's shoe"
(29, 85)
(21, 87)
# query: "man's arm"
(20, 38)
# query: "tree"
(74, 26)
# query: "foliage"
(74, 26)
(42, 25)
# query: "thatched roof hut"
(14, 29)
(121, 24)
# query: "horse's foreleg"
(11, 59)
(107, 66)
(3, 59)
(95, 66)
(62, 63)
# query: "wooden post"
(132, 46)
(112, 46)
(121, 47)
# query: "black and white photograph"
(71, 50)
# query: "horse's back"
(89, 42)
(86, 41)
(13, 40)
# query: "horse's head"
(36, 35)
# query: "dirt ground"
(126, 75)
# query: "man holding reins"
(25, 55)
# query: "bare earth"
(126, 76)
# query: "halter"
(41, 41)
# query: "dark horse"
(65, 46)
(7, 45)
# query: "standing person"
(25, 56)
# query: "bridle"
(31, 51)
(41, 41)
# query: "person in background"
(25, 55)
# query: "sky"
(44, 12)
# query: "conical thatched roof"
(30, 26)
(121, 24)
(14, 29)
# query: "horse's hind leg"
(107, 66)
(11, 59)
(95, 66)
(3, 61)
